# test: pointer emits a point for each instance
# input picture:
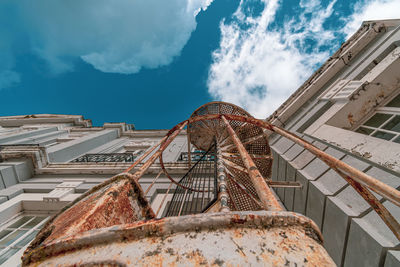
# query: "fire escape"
(223, 210)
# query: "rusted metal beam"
(264, 192)
(247, 141)
(171, 136)
(253, 156)
(285, 184)
(375, 185)
(277, 184)
(360, 181)
(244, 186)
(223, 139)
(139, 160)
(379, 208)
(154, 180)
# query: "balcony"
(106, 157)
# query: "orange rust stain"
(238, 233)
(112, 205)
(237, 220)
(266, 257)
(197, 258)
(350, 118)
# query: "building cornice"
(108, 168)
(346, 53)
(15, 121)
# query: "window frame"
(337, 125)
(393, 112)
(14, 245)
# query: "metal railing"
(202, 177)
(106, 157)
(195, 156)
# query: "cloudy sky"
(153, 62)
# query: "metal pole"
(222, 186)
(264, 192)
(360, 181)
(137, 175)
(154, 180)
(375, 185)
(379, 208)
(145, 154)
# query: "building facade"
(350, 108)
(47, 161)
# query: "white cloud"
(258, 67)
(120, 36)
(372, 10)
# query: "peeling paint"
(221, 239)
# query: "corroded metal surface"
(217, 239)
(112, 225)
(203, 132)
(375, 185)
(340, 167)
(253, 142)
(120, 200)
(264, 192)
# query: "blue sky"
(153, 62)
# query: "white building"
(47, 161)
(350, 108)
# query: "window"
(385, 123)
(18, 233)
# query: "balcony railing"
(195, 156)
(106, 157)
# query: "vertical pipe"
(222, 187)
(264, 192)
